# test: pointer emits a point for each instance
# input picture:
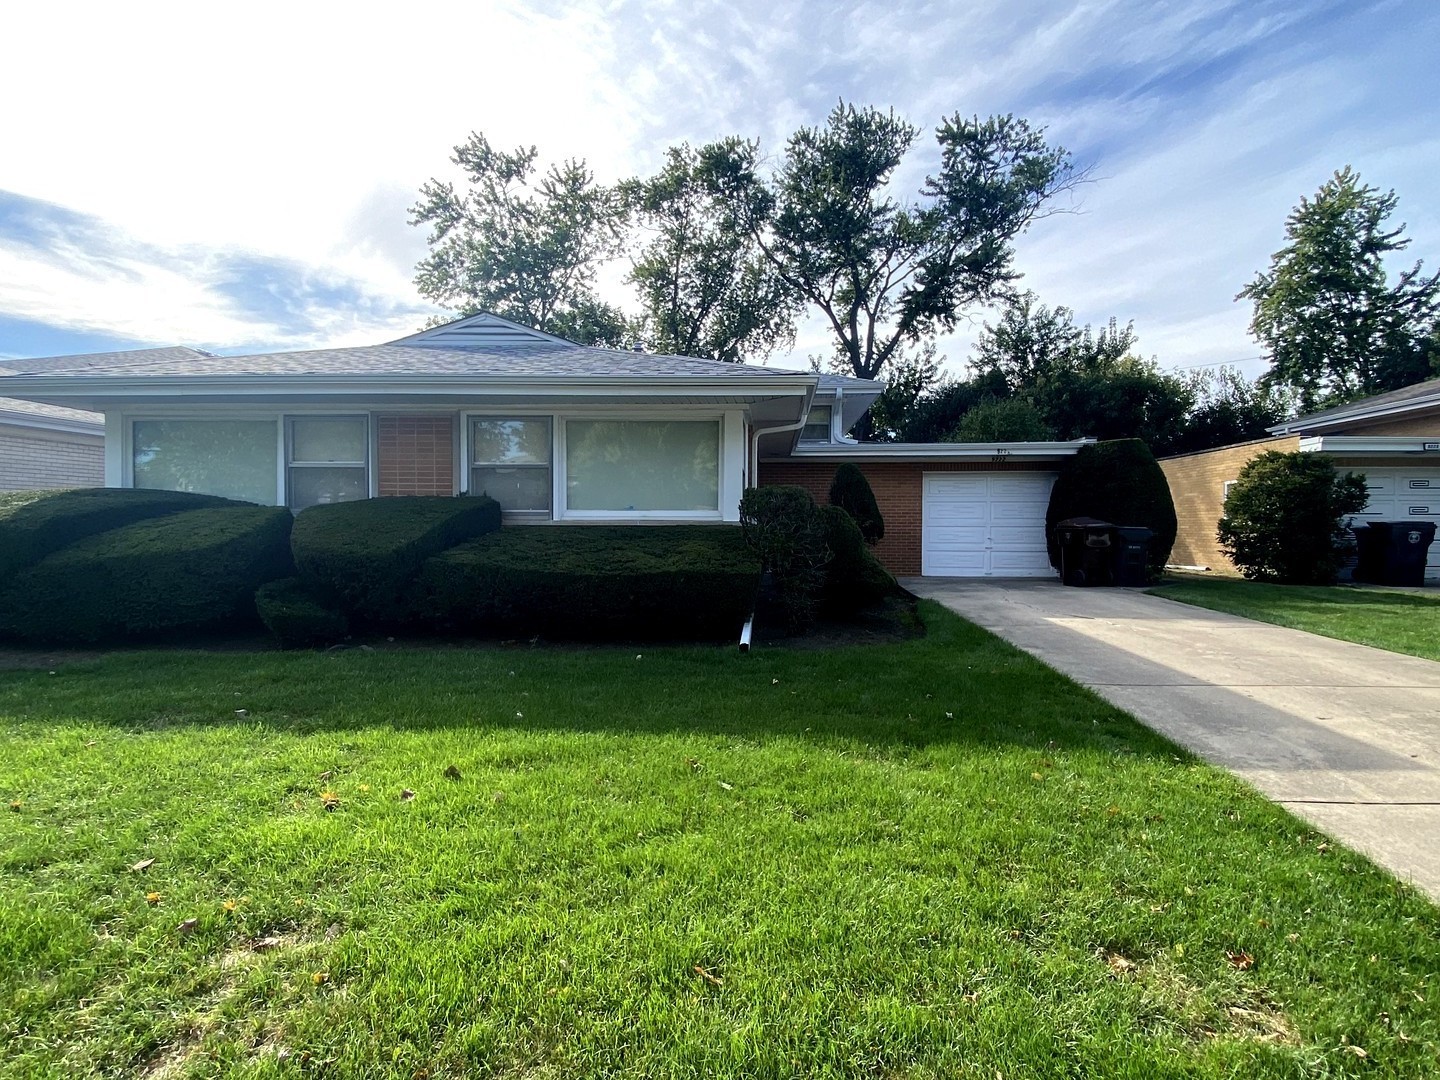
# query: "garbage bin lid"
(1134, 532)
(1084, 523)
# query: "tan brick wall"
(416, 454)
(1426, 426)
(30, 460)
(899, 493)
(1197, 484)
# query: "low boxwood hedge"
(296, 616)
(662, 582)
(34, 524)
(361, 555)
(197, 569)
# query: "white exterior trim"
(1370, 444)
(1292, 427)
(995, 452)
(22, 419)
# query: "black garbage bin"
(1393, 552)
(1132, 554)
(1087, 551)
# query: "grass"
(924, 859)
(1400, 622)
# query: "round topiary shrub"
(1120, 482)
(1284, 519)
(189, 571)
(296, 616)
(851, 492)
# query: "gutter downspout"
(756, 432)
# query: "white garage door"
(985, 524)
(1404, 495)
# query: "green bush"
(1120, 482)
(361, 555)
(296, 616)
(851, 492)
(34, 524)
(854, 578)
(194, 570)
(1009, 420)
(784, 529)
(1283, 520)
(592, 582)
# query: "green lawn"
(1400, 622)
(935, 858)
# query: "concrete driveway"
(1345, 736)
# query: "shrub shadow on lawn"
(957, 684)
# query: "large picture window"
(232, 458)
(326, 460)
(510, 462)
(643, 466)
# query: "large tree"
(704, 285)
(887, 272)
(523, 248)
(1333, 324)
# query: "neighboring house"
(49, 446)
(1394, 439)
(556, 432)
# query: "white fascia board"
(1369, 444)
(1292, 427)
(15, 418)
(933, 451)
(60, 389)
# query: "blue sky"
(235, 179)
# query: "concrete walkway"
(1345, 736)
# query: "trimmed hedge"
(1120, 482)
(854, 578)
(784, 528)
(194, 570)
(362, 555)
(660, 582)
(852, 493)
(34, 524)
(296, 616)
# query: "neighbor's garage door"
(1405, 495)
(985, 524)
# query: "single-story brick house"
(1394, 439)
(556, 432)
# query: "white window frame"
(562, 507)
(468, 466)
(1225, 488)
(829, 405)
(127, 449)
(288, 444)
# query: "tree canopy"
(886, 272)
(1333, 325)
(522, 248)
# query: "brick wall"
(899, 492)
(416, 454)
(1197, 484)
(32, 459)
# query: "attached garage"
(985, 524)
(1404, 495)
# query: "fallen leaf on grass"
(320, 978)
(727, 787)
(329, 800)
(326, 775)
(406, 795)
(230, 906)
(452, 773)
(152, 898)
(188, 926)
(713, 980)
(16, 804)
(364, 787)
(143, 864)
(1242, 961)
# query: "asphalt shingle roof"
(98, 363)
(1419, 393)
(53, 412)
